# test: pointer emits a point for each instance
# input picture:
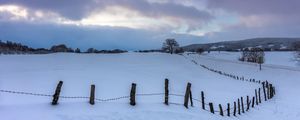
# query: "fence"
(239, 107)
(236, 77)
(268, 93)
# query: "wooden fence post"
(248, 103)
(239, 106)
(132, 94)
(191, 98)
(92, 95)
(202, 99)
(268, 90)
(264, 90)
(259, 98)
(221, 110)
(57, 93)
(256, 98)
(166, 91)
(253, 99)
(211, 106)
(242, 102)
(271, 91)
(187, 95)
(228, 109)
(234, 109)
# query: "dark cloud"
(167, 9)
(77, 9)
(273, 18)
(257, 6)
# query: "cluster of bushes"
(93, 50)
(255, 55)
(147, 51)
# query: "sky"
(144, 24)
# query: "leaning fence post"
(132, 94)
(166, 91)
(187, 95)
(239, 107)
(248, 103)
(228, 109)
(264, 90)
(256, 98)
(242, 102)
(191, 98)
(202, 99)
(211, 106)
(92, 95)
(234, 109)
(57, 93)
(221, 110)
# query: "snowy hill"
(274, 44)
(113, 74)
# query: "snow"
(280, 59)
(113, 74)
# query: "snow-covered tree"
(255, 55)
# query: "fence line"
(268, 91)
(121, 97)
(257, 98)
(242, 78)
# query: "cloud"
(141, 14)
(78, 9)
(45, 35)
(126, 23)
(243, 31)
(260, 11)
(257, 18)
(251, 7)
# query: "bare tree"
(199, 50)
(170, 45)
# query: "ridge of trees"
(10, 47)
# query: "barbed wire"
(25, 93)
(116, 98)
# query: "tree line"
(10, 47)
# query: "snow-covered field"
(113, 74)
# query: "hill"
(274, 44)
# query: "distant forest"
(10, 47)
